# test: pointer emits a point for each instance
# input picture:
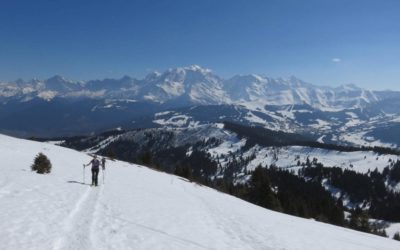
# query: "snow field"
(139, 208)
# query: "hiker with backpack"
(95, 169)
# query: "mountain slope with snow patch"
(139, 208)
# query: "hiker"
(103, 163)
(95, 169)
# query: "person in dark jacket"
(95, 169)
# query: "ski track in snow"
(77, 231)
(233, 232)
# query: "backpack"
(95, 163)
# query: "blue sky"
(328, 42)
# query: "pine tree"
(111, 154)
(359, 221)
(41, 164)
(183, 171)
(261, 192)
(146, 158)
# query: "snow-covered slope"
(288, 157)
(139, 208)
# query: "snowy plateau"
(140, 208)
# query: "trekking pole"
(103, 175)
(83, 173)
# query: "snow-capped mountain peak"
(187, 84)
(195, 68)
(60, 84)
(151, 76)
(349, 87)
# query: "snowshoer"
(95, 169)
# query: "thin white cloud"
(336, 60)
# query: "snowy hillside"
(353, 127)
(288, 157)
(138, 208)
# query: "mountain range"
(196, 85)
(192, 95)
